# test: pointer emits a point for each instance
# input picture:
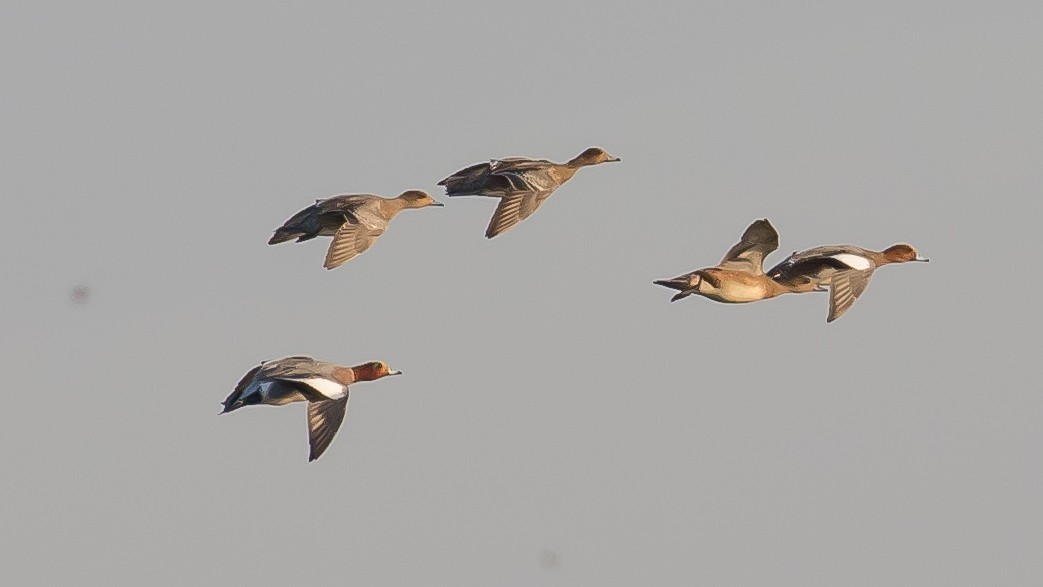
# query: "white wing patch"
(853, 261)
(330, 389)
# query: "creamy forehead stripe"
(330, 389)
(853, 261)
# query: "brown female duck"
(522, 184)
(354, 221)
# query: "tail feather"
(464, 190)
(682, 295)
(282, 236)
(239, 396)
(231, 405)
(687, 284)
(676, 283)
(235, 401)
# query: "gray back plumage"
(296, 367)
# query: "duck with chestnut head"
(353, 220)
(521, 184)
(844, 269)
(303, 379)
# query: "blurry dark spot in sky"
(81, 294)
(549, 559)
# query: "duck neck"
(883, 258)
(779, 288)
(393, 206)
(563, 173)
(344, 375)
(576, 162)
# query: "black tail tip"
(282, 236)
(669, 283)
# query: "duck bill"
(394, 372)
(923, 259)
(436, 203)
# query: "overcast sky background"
(559, 421)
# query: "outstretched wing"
(350, 241)
(844, 290)
(513, 209)
(748, 254)
(324, 419)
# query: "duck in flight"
(521, 184)
(739, 277)
(353, 220)
(297, 379)
(845, 269)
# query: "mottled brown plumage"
(353, 220)
(522, 184)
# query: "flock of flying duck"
(522, 185)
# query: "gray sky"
(559, 422)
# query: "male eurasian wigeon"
(846, 269)
(354, 221)
(522, 184)
(739, 277)
(297, 379)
